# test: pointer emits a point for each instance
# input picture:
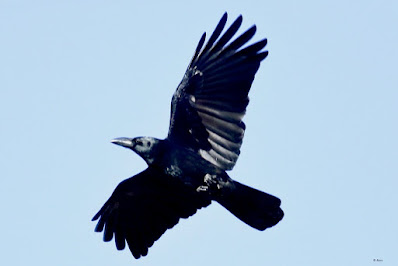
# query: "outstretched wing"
(210, 102)
(143, 207)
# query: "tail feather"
(256, 208)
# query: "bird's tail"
(256, 208)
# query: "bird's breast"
(187, 165)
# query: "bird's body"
(182, 163)
(187, 170)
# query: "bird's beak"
(124, 142)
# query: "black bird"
(187, 170)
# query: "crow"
(187, 170)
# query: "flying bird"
(187, 170)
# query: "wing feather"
(210, 102)
(143, 207)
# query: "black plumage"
(186, 171)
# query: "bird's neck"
(154, 156)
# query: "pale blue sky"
(321, 128)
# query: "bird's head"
(146, 147)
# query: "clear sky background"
(321, 128)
